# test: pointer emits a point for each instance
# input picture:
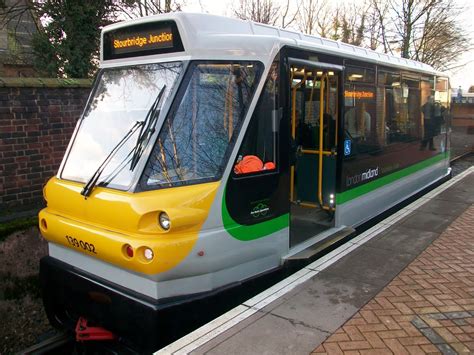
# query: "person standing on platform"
(429, 124)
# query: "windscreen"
(121, 98)
(198, 135)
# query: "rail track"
(49, 345)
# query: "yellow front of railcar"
(109, 222)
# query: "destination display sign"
(359, 94)
(142, 39)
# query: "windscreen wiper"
(92, 182)
(147, 129)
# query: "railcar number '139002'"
(81, 244)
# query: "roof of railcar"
(204, 32)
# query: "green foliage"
(46, 55)
(8, 228)
(68, 46)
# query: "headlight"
(148, 254)
(164, 221)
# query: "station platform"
(404, 286)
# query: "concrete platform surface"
(389, 290)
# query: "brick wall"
(37, 118)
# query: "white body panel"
(216, 37)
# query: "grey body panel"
(385, 197)
(196, 274)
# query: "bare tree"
(140, 8)
(407, 16)
(18, 23)
(313, 17)
(263, 11)
(428, 31)
(376, 25)
(288, 13)
(324, 20)
(281, 13)
(345, 23)
(351, 24)
(13, 11)
(440, 41)
(423, 30)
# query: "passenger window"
(359, 117)
(442, 94)
(402, 108)
(433, 104)
(360, 75)
(359, 103)
(258, 150)
(442, 89)
(411, 108)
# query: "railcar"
(212, 151)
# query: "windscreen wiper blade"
(147, 129)
(92, 182)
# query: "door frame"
(320, 151)
(339, 123)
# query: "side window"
(389, 103)
(360, 108)
(442, 100)
(359, 113)
(359, 75)
(411, 110)
(401, 114)
(258, 152)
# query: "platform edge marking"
(276, 288)
(202, 331)
(263, 303)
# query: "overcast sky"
(463, 77)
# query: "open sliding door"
(314, 91)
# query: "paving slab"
(326, 301)
(466, 184)
(444, 207)
(403, 239)
(427, 221)
(370, 265)
(215, 343)
(270, 335)
(459, 193)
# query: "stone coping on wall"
(45, 82)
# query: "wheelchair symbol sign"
(347, 147)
